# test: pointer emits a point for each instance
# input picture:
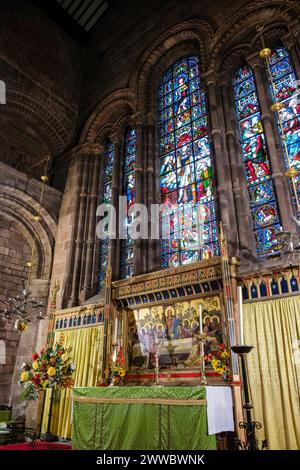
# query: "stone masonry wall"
(14, 252)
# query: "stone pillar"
(90, 235)
(276, 159)
(223, 176)
(96, 246)
(295, 31)
(63, 262)
(289, 43)
(240, 194)
(114, 246)
(74, 298)
(138, 266)
(152, 197)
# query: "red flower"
(34, 356)
(36, 380)
(222, 346)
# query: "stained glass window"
(285, 85)
(107, 194)
(186, 167)
(129, 192)
(256, 160)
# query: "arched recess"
(19, 208)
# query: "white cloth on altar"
(219, 409)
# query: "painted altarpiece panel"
(172, 331)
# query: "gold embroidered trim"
(144, 401)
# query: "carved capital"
(115, 138)
(288, 41)
(210, 78)
(88, 148)
(137, 120)
(254, 60)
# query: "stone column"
(74, 298)
(153, 245)
(295, 31)
(276, 159)
(289, 43)
(138, 264)
(90, 221)
(240, 194)
(223, 176)
(96, 246)
(114, 251)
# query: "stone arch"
(235, 31)
(19, 208)
(191, 36)
(123, 105)
(106, 118)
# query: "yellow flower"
(217, 362)
(213, 362)
(122, 373)
(224, 354)
(64, 357)
(35, 365)
(220, 370)
(51, 371)
(24, 376)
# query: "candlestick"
(200, 319)
(116, 330)
(240, 309)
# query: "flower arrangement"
(115, 371)
(220, 362)
(50, 368)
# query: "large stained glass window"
(107, 199)
(256, 160)
(186, 167)
(129, 191)
(285, 85)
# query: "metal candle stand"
(249, 425)
(203, 380)
(157, 344)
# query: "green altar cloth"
(140, 418)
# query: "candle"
(240, 309)
(116, 330)
(200, 319)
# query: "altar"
(147, 418)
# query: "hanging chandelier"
(23, 308)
